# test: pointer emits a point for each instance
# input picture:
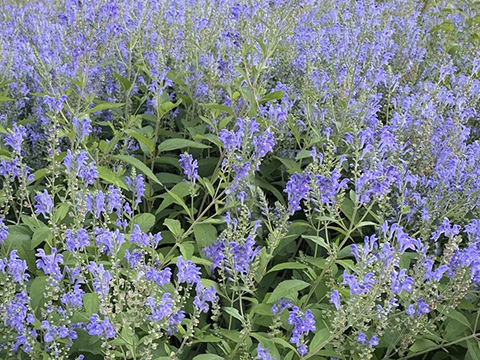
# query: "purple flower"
(189, 167)
(282, 305)
(297, 189)
(50, 263)
(187, 271)
(16, 267)
(15, 138)
(44, 204)
(114, 199)
(422, 307)
(83, 128)
(204, 295)
(410, 310)
(361, 338)
(133, 258)
(99, 328)
(139, 189)
(302, 323)
(101, 280)
(373, 341)
(3, 231)
(74, 298)
(76, 241)
(335, 299)
(163, 309)
(263, 354)
(160, 277)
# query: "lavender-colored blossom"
(99, 204)
(44, 204)
(74, 298)
(133, 258)
(282, 305)
(15, 138)
(139, 189)
(189, 167)
(297, 189)
(187, 272)
(3, 231)
(76, 241)
(15, 267)
(114, 200)
(109, 242)
(161, 310)
(263, 354)
(100, 327)
(50, 264)
(160, 277)
(101, 280)
(335, 299)
(410, 310)
(83, 128)
(204, 295)
(302, 323)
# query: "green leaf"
(272, 96)
(205, 234)
(317, 240)
(233, 312)
(175, 144)
(126, 84)
(91, 303)
(39, 174)
(422, 345)
(104, 106)
(142, 139)
(178, 200)
(146, 221)
(287, 288)
(291, 165)
(109, 176)
(37, 291)
(40, 235)
(473, 349)
(4, 98)
(139, 165)
(288, 265)
(458, 316)
(208, 357)
(174, 226)
(320, 338)
(60, 213)
(218, 107)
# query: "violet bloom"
(44, 204)
(188, 272)
(204, 295)
(139, 189)
(15, 138)
(189, 167)
(76, 241)
(100, 328)
(335, 299)
(16, 267)
(3, 231)
(83, 128)
(297, 189)
(302, 325)
(263, 354)
(50, 263)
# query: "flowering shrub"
(269, 179)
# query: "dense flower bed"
(208, 179)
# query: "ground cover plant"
(212, 179)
